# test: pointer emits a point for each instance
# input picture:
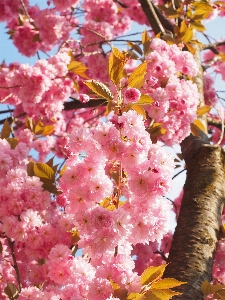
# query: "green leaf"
(6, 130)
(42, 170)
(100, 89)
(11, 291)
(166, 283)
(13, 142)
(145, 100)
(152, 274)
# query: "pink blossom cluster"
(40, 89)
(175, 98)
(116, 164)
(111, 196)
(209, 90)
(9, 9)
(37, 29)
(218, 271)
(37, 233)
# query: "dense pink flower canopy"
(94, 222)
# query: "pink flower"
(132, 95)
(84, 98)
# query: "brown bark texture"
(195, 238)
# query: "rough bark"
(196, 234)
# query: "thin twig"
(25, 10)
(178, 173)
(15, 266)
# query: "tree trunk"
(195, 238)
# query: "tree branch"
(75, 104)
(152, 17)
(213, 46)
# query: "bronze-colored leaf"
(6, 130)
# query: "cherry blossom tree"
(84, 169)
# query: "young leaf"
(120, 293)
(30, 168)
(145, 100)
(187, 37)
(137, 82)
(11, 291)
(146, 42)
(100, 89)
(139, 109)
(208, 288)
(152, 274)
(50, 187)
(166, 283)
(13, 142)
(117, 61)
(39, 128)
(155, 131)
(160, 294)
(6, 130)
(136, 47)
(110, 106)
(190, 48)
(50, 162)
(78, 68)
(142, 68)
(42, 170)
(203, 110)
(135, 296)
(136, 79)
(196, 126)
(48, 129)
(220, 294)
(198, 26)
